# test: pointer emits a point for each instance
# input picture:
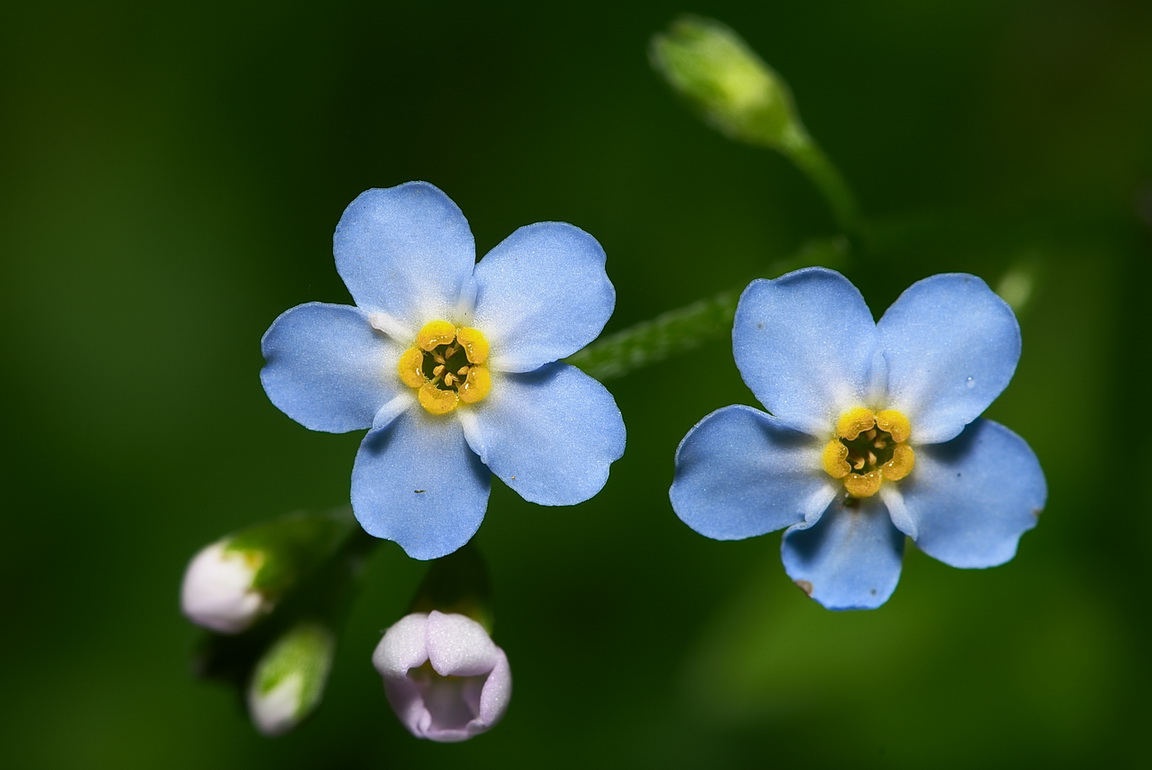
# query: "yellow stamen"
(894, 424)
(864, 485)
(434, 334)
(474, 342)
(410, 367)
(901, 464)
(834, 458)
(435, 400)
(476, 386)
(854, 422)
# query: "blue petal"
(805, 344)
(542, 294)
(327, 368)
(952, 346)
(741, 473)
(550, 434)
(971, 498)
(405, 251)
(416, 482)
(850, 559)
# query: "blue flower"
(452, 365)
(873, 434)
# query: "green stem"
(666, 335)
(687, 328)
(806, 154)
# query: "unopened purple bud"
(443, 675)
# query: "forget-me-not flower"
(874, 434)
(452, 365)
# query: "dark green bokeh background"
(171, 178)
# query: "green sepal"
(457, 583)
(289, 549)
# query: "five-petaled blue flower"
(873, 434)
(452, 365)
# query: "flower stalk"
(685, 329)
(737, 93)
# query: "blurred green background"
(172, 174)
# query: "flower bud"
(288, 682)
(237, 580)
(732, 88)
(218, 590)
(444, 677)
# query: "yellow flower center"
(446, 366)
(869, 448)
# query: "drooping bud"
(457, 584)
(288, 681)
(724, 79)
(743, 98)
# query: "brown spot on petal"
(1037, 511)
(805, 586)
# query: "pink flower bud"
(443, 675)
(217, 592)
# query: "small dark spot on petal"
(872, 591)
(760, 325)
(805, 586)
(957, 475)
(419, 491)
